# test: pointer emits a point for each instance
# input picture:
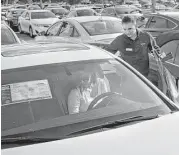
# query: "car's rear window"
(42, 15)
(101, 27)
(85, 12)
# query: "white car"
(36, 21)
(133, 117)
(8, 36)
(86, 29)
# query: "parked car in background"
(12, 16)
(4, 10)
(8, 36)
(33, 7)
(51, 5)
(175, 8)
(121, 10)
(36, 81)
(82, 11)
(86, 29)
(59, 12)
(162, 22)
(169, 42)
(36, 21)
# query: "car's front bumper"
(39, 29)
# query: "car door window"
(158, 22)
(27, 16)
(66, 30)
(170, 24)
(172, 47)
(75, 33)
(23, 14)
(54, 30)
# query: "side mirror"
(43, 33)
(27, 18)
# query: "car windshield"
(101, 27)
(85, 12)
(60, 11)
(7, 37)
(70, 93)
(42, 15)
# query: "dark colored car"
(59, 11)
(13, 15)
(162, 22)
(120, 11)
(169, 42)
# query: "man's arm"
(153, 46)
(114, 46)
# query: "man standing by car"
(134, 45)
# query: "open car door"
(167, 79)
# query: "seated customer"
(91, 86)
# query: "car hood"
(106, 38)
(49, 21)
(157, 137)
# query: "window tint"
(158, 22)
(66, 30)
(173, 47)
(53, 31)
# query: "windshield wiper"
(116, 123)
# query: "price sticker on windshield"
(26, 91)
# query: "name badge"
(129, 49)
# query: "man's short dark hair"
(128, 19)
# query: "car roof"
(16, 9)
(173, 15)
(92, 18)
(167, 37)
(15, 56)
(38, 10)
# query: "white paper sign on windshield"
(26, 91)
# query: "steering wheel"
(95, 102)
